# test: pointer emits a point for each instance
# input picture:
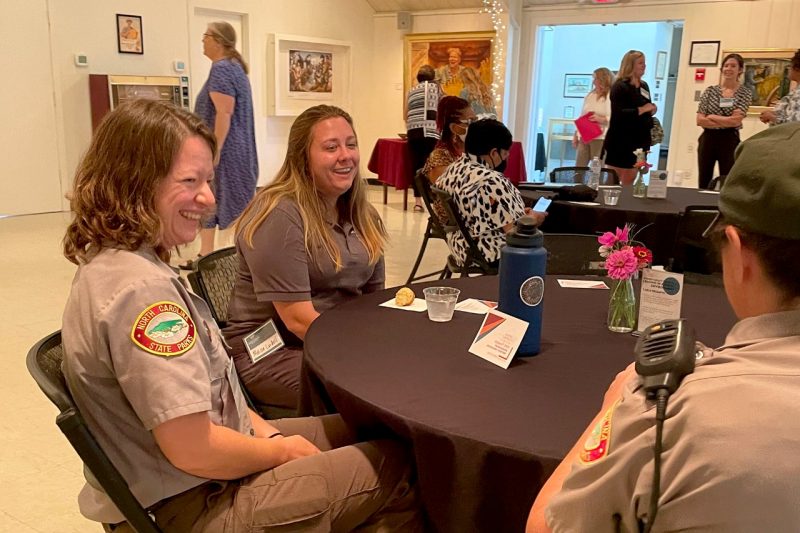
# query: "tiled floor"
(40, 475)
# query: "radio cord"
(662, 397)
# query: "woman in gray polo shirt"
(307, 242)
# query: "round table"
(657, 218)
(484, 439)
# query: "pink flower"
(607, 239)
(621, 264)
(610, 239)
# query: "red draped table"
(391, 161)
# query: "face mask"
(502, 166)
(463, 136)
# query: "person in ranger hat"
(729, 462)
(145, 362)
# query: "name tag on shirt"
(263, 341)
(644, 92)
(726, 102)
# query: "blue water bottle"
(523, 262)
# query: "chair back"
(212, 278)
(692, 252)
(424, 187)
(455, 223)
(608, 176)
(44, 364)
(573, 254)
(716, 183)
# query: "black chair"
(474, 262)
(44, 364)
(716, 183)
(692, 252)
(608, 176)
(212, 278)
(573, 254)
(434, 229)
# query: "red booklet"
(589, 130)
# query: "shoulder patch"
(164, 328)
(598, 442)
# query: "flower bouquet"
(623, 259)
(642, 167)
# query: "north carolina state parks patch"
(165, 329)
(598, 441)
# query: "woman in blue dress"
(226, 105)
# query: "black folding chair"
(212, 278)
(573, 254)
(474, 262)
(434, 229)
(44, 364)
(716, 183)
(693, 253)
(608, 176)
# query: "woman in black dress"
(631, 117)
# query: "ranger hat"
(762, 191)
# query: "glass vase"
(639, 188)
(622, 307)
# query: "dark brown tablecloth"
(662, 215)
(485, 439)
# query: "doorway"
(565, 59)
(200, 65)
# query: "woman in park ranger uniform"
(145, 364)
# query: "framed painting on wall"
(766, 73)
(129, 34)
(305, 71)
(577, 85)
(462, 61)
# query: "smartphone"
(542, 205)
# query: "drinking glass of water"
(441, 302)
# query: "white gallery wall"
(45, 97)
(47, 124)
(737, 24)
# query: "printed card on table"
(582, 284)
(658, 184)
(473, 305)
(661, 296)
(498, 338)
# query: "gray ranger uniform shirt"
(139, 350)
(731, 442)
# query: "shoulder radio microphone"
(665, 354)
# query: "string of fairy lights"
(495, 10)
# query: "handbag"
(656, 132)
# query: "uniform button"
(252, 432)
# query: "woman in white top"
(598, 103)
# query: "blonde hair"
(225, 35)
(605, 79)
(477, 91)
(295, 182)
(114, 195)
(627, 64)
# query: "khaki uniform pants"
(356, 487)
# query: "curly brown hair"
(113, 196)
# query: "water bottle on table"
(594, 173)
(523, 262)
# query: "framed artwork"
(577, 85)
(463, 62)
(129, 34)
(704, 53)
(661, 65)
(306, 71)
(766, 73)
